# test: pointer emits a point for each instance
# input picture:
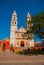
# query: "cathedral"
(18, 37)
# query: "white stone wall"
(31, 43)
(27, 43)
(13, 28)
(16, 35)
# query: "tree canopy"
(38, 25)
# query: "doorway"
(3, 47)
(22, 43)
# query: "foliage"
(32, 52)
(38, 25)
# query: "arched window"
(18, 43)
(14, 18)
(15, 22)
(17, 35)
(12, 22)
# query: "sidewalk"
(9, 56)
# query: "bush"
(32, 52)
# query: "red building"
(5, 44)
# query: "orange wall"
(7, 43)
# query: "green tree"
(38, 25)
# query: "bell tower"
(13, 28)
(29, 26)
(28, 19)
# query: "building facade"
(18, 38)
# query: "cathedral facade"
(18, 37)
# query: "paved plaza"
(7, 58)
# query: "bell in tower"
(14, 19)
(29, 26)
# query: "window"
(14, 18)
(0, 43)
(22, 35)
(4, 47)
(26, 43)
(17, 35)
(15, 22)
(17, 42)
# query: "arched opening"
(22, 43)
(3, 47)
(11, 47)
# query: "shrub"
(32, 52)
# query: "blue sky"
(22, 7)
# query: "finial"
(28, 15)
(14, 13)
